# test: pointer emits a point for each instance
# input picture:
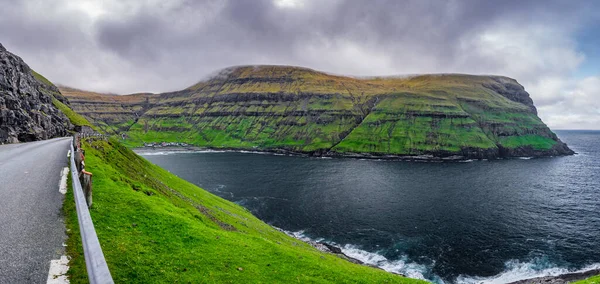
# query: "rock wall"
(26, 110)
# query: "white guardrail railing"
(97, 269)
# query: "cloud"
(577, 105)
(133, 46)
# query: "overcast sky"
(120, 46)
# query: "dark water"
(492, 221)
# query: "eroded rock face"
(26, 112)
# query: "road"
(32, 228)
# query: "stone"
(26, 109)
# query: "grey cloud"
(255, 29)
(156, 45)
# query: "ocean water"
(454, 222)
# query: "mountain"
(285, 108)
(28, 110)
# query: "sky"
(124, 46)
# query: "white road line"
(62, 186)
(58, 271)
(59, 267)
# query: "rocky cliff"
(27, 110)
(283, 108)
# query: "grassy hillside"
(60, 102)
(591, 280)
(302, 110)
(157, 228)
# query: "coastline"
(329, 248)
(447, 157)
(565, 277)
(560, 279)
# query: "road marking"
(58, 271)
(62, 186)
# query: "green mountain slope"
(302, 110)
(157, 228)
(60, 102)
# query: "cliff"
(283, 108)
(27, 108)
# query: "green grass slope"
(591, 280)
(302, 110)
(60, 102)
(157, 228)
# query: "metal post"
(87, 187)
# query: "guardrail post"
(78, 160)
(87, 187)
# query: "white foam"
(167, 152)
(516, 270)
(401, 266)
(144, 152)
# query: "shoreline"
(560, 279)
(566, 277)
(366, 156)
(563, 278)
(332, 249)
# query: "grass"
(591, 280)
(536, 141)
(77, 272)
(41, 78)
(49, 89)
(75, 118)
(157, 228)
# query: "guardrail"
(95, 263)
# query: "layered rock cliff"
(283, 108)
(27, 111)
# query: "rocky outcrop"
(26, 109)
(560, 279)
(510, 89)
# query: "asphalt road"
(32, 228)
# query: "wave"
(143, 152)
(219, 189)
(401, 266)
(168, 152)
(516, 270)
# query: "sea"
(475, 221)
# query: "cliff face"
(302, 110)
(27, 112)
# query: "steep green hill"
(60, 102)
(301, 110)
(157, 228)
